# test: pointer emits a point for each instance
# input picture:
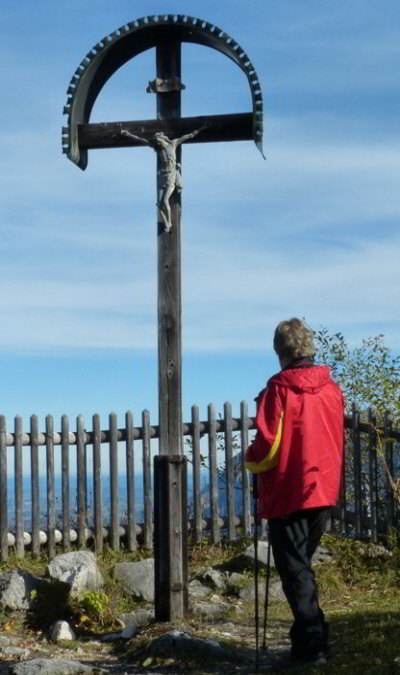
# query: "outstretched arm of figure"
(188, 137)
(125, 132)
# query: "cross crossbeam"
(236, 127)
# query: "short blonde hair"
(293, 340)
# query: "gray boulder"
(213, 578)
(198, 590)
(54, 667)
(16, 589)
(181, 644)
(211, 611)
(236, 581)
(275, 592)
(137, 578)
(15, 653)
(125, 634)
(321, 555)
(141, 617)
(78, 569)
(262, 554)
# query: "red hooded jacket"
(298, 449)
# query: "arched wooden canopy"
(131, 39)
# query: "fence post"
(148, 515)
(98, 521)
(229, 472)
(130, 482)
(244, 443)
(388, 430)
(357, 468)
(114, 487)
(196, 472)
(35, 487)
(65, 481)
(3, 489)
(373, 469)
(212, 462)
(82, 480)
(51, 507)
(19, 489)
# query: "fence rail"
(367, 506)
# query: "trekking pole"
(255, 495)
(266, 602)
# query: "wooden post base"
(170, 537)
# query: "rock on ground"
(137, 578)
(198, 590)
(16, 589)
(262, 553)
(178, 643)
(138, 618)
(275, 592)
(78, 569)
(211, 612)
(53, 667)
(214, 578)
(61, 630)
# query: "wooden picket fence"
(367, 506)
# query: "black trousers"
(294, 539)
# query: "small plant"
(95, 604)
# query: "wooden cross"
(166, 34)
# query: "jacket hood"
(310, 380)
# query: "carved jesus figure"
(169, 173)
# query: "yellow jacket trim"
(271, 460)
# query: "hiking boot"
(312, 653)
(318, 659)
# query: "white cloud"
(311, 231)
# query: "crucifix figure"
(170, 171)
(166, 33)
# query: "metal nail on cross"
(165, 134)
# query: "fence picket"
(342, 499)
(212, 462)
(147, 496)
(3, 489)
(388, 424)
(229, 472)
(19, 489)
(35, 486)
(51, 505)
(373, 474)
(65, 481)
(130, 482)
(114, 489)
(81, 469)
(196, 472)
(244, 443)
(357, 468)
(97, 506)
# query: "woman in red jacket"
(297, 454)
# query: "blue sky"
(310, 232)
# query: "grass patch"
(359, 589)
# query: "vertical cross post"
(168, 57)
(170, 513)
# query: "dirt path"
(135, 656)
